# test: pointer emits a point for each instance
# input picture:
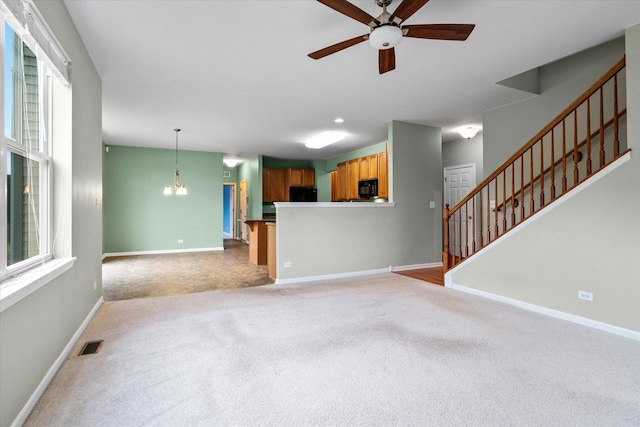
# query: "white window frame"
(24, 277)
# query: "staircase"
(582, 140)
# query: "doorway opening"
(229, 210)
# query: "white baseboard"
(37, 394)
(551, 312)
(330, 276)
(167, 251)
(414, 266)
(391, 269)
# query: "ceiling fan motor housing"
(385, 36)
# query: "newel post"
(445, 231)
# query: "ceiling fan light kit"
(385, 36)
(386, 30)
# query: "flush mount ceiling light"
(469, 132)
(178, 188)
(325, 138)
(385, 36)
(339, 120)
(232, 162)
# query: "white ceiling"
(235, 75)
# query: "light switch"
(432, 204)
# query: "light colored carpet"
(375, 350)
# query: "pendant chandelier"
(178, 188)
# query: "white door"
(458, 182)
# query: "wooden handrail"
(566, 156)
(464, 234)
(555, 122)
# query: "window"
(26, 166)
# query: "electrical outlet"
(288, 264)
(180, 241)
(587, 296)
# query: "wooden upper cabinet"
(279, 189)
(341, 182)
(273, 185)
(294, 177)
(301, 177)
(372, 160)
(308, 177)
(368, 167)
(276, 182)
(353, 176)
(334, 186)
(383, 176)
(363, 168)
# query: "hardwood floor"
(433, 275)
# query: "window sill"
(19, 287)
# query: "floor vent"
(90, 347)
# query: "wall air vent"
(226, 174)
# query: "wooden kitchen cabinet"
(383, 176)
(353, 176)
(273, 185)
(334, 186)
(276, 182)
(341, 182)
(308, 177)
(344, 180)
(301, 177)
(368, 167)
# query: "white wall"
(591, 242)
(35, 330)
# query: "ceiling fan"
(387, 29)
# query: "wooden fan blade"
(407, 8)
(337, 47)
(439, 31)
(349, 9)
(386, 60)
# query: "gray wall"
(34, 331)
(337, 239)
(463, 152)
(508, 128)
(591, 242)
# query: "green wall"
(138, 217)
(251, 170)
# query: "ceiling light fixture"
(179, 189)
(339, 120)
(325, 138)
(469, 132)
(231, 162)
(385, 36)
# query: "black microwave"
(303, 194)
(368, 188)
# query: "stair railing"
(583, 139)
